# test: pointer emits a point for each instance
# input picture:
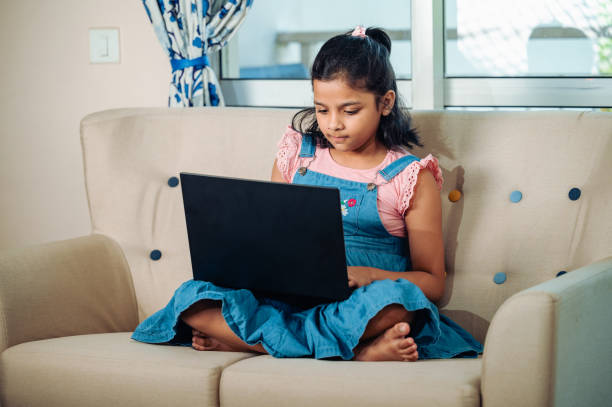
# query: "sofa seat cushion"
(265, 381)
(110, 370)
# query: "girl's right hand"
(360, 276)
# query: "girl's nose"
(334, 123)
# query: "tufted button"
(371, 186)
(302, 170)
(454, 195)
(574, 194)
(559, 274)
(155, 255)
(516, 196)
(173, 181)
(499, 278)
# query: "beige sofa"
(67, 308)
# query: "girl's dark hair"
(364, 63)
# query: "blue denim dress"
(327, 330)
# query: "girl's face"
(349, 117)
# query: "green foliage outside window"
(605, 40)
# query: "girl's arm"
(424, 226)
(276, 174)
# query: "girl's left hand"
(359, 276)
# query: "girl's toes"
(406, 343)
(409, 350)
(197, 347)
(414, 356)
(202, 343)
(402, 328)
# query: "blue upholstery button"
(173, 181)
(499, 278)
(559, 274)
(155, 255)
(516, 196)
(574, 194)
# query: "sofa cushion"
(110, 370)
(265, 381)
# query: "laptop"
(280, 241)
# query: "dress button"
(499, 278)
(173, 181)
(516, 196)
(454, 195)
(371, 186)
(302, 170)
(574, 194)
(155, 255)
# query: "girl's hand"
(360, 276)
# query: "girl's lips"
(337, 139)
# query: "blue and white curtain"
(189, 31)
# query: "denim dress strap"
(397, 166)
(309, 146)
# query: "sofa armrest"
(71, 287)
(550, 344)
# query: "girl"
(352, 139)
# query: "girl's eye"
(321, 111)
(351, 111)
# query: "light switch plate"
(104, 45)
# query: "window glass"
(279, 39)
(498, 38)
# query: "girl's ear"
(387, 102)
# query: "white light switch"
(103, 45)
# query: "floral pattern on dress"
(347, 203)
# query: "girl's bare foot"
(390, 345)
(199, 341)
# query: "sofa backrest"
(132, 155)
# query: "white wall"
(47, 86)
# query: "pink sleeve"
(409, 179)
(287, 157)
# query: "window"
(267, 62)
(528, 53)
(528, 38)
(280, 39)
(494, 54)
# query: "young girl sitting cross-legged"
(355, 139)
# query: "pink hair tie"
(359, 31)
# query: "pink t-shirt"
(393, 198)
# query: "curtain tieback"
(179, 64)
